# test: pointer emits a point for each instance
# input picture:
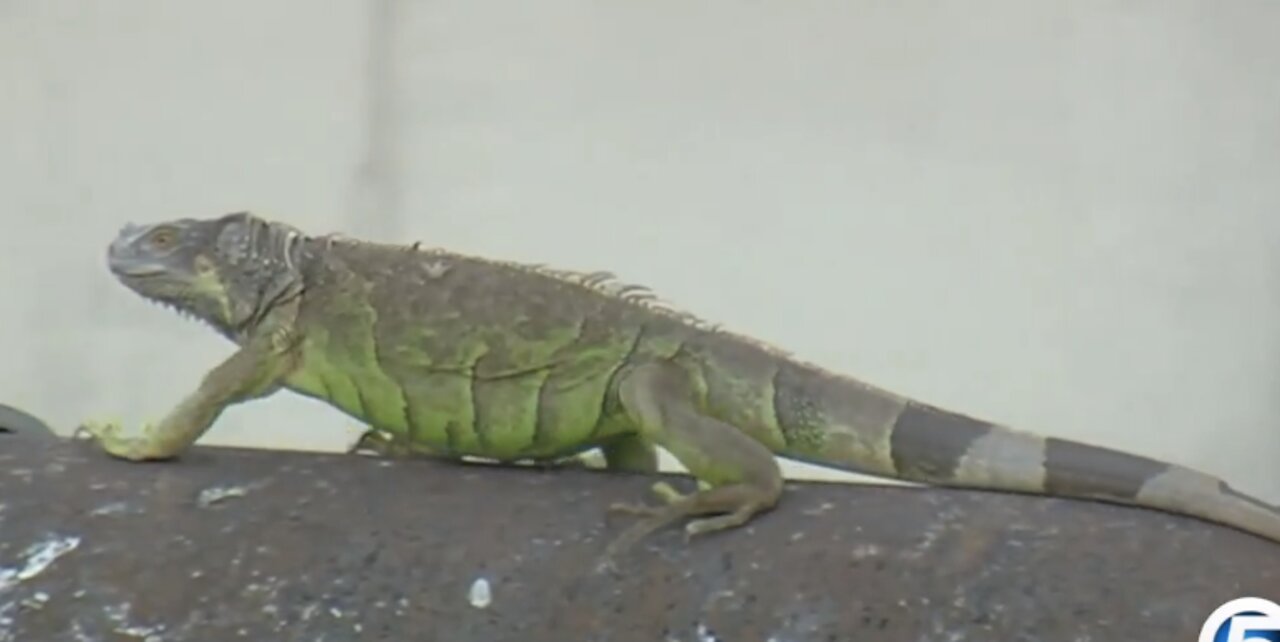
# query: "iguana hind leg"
(743, 476)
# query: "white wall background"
(1062, 216)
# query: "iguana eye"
(161, 239)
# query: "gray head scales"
(229, 271)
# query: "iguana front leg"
(742, 476)
(254, 371)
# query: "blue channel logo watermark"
(1244, 619)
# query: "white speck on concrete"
(78, 631)
(824, 507)
(308, 612)
(215, 494)
(39, 557)
(863, 551)
(480, 595)
(114, 508)
(119, 613)
(437, 269)
(147, 633)
(705, 634)
(35, 602)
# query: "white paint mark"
(437, 269)
(35, 602)
(114, 508)
(705, 634)
(863, 551)
(118, 612)
(309, 611)
(820, 509)
(210, 496)
(148, 633)
(480, 594)
(78, 631)
(38, 558)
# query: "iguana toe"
(712, 524)
(110, 435)
(666, 492)
(372, 441)
(634, 509)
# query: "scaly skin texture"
(457, 356)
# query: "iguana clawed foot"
(737, 503)
(379, 443)
(665, 492)
(110, 435)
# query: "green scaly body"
(456, 356)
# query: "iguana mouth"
(134, 270)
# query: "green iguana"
(463, 356)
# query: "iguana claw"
(110, 436)
(665, 492)
(372, 441)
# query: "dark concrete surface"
(256, 545)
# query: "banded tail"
(875, 432)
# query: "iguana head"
(229, 272)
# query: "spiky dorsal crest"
(600, 281)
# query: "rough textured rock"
(257, 545)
